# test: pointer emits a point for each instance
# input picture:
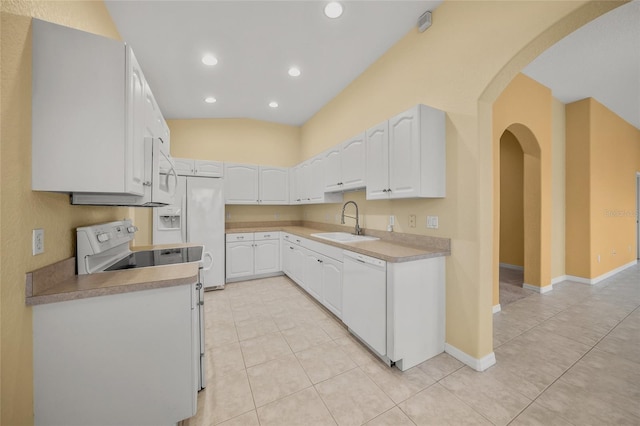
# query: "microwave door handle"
(172, 171)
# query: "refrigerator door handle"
(207, 255)
(185, 219)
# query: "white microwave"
(159, 185)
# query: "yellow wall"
(23, 210)
(558, 202)
(603, 157)
(460, 65)
(511, 201)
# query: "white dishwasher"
(364, 299)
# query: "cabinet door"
(297, 259)
(353, 166)
(377, 145)
(239, 259)
(315, 174)
(274, 188)
(286, 257)
(266, 256)
(184, 166)
(404, 154)
(332, 286)
(208, 168)
(332, 170)
(305, 181)
(313, 275)
(136, 127)
(241, 183)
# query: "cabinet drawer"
(271, 235)
(244, 236)
(293, 238)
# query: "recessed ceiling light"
(209, 60)
(294, 71)
(333, 10)
(273, 104)
(210, 100)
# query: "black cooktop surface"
(144, 259)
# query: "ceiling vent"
(424, 21)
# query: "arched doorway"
(511, 272)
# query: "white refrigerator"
(196, 217)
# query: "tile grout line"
(570, 367)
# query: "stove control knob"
(132, 229)
(103, 237)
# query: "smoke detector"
(424, 21)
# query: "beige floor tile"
(624, 340)
(490, 397)
(393, 417)
(324, 361)
(398, 385)
(437, 406)
(573, 328)
(352, 398)
(440, 366)
(220, 334)
(246, 419)
(227, 397)
(223, 360)
(537, 415)
(304, 408)
(264, 348)
(255, 327)
(276, 379)
(356, 350)
(581, 407)
(305, 336)
(609, 378)
(333, 328)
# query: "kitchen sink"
(343, 237)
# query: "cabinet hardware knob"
(389, 190)
(384, 190)
(290, 248)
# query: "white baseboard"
(559, 279)
(496, 308)
(475, 363)
(541, 290)
(602, 277)
(508, 266)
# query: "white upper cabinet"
(252, 184)
(353, 163)
(345, 165)
(204, 168)
(377, 144)
(274, 185)
(241, 183)
(89, 113)
(416, 155)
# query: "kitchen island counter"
(59, 282)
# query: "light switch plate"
(37, 241)
(432, 222)
(412, 221)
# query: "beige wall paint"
(606, 149)
(460, 65)
(511, 201)
(558, 203)
(23, 210)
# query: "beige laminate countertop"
(390, 251)
(59, 282)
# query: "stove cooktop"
(144, 259)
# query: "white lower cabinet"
(252, 255)
(126, 359)
(314, 267)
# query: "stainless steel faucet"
(358, 230)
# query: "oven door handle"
(205, 255)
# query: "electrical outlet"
(37, 241)
(392, 220)
(412, 221)
(432, 222)
(598, 258)
(613, 252)
(276, 216)
(228, 215)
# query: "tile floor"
(569, 357)
(511, 290)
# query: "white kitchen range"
(135, 357)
